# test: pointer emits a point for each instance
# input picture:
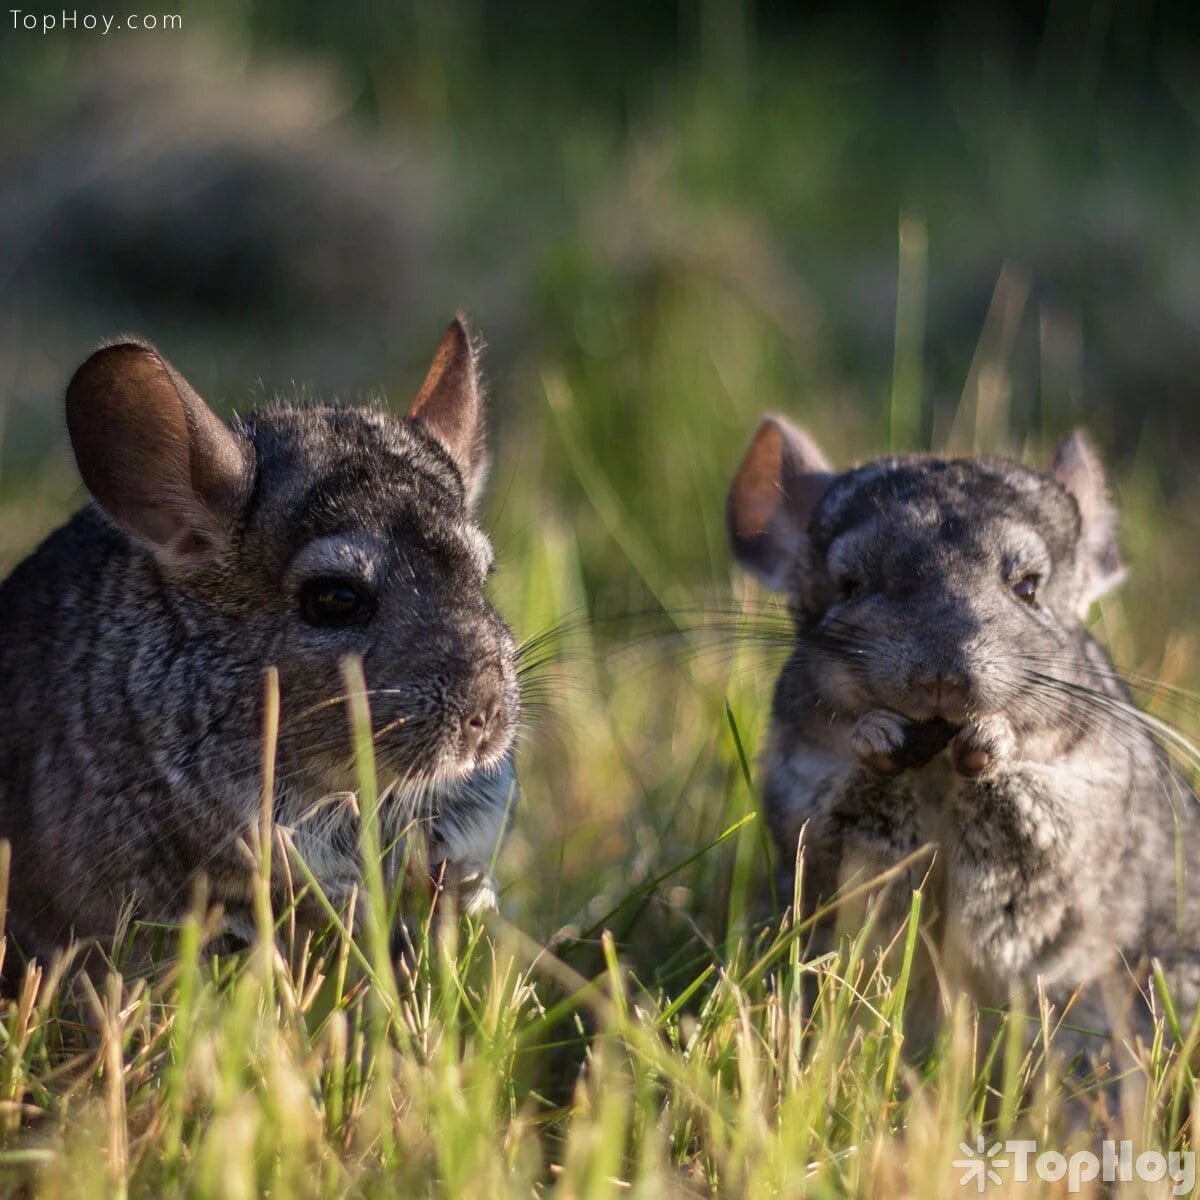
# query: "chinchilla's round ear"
(1076, 467)
(449, 406)
(782, 478)
(158, 460)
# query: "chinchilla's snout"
(935, 669)
(940, 693)
(922, 679)
(488, 715)
(451, 703)
(943, 679)
(481, 714)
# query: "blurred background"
(964, 227)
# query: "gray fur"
(131, 672)
(926, 703)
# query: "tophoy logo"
(982, 1165)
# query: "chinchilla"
(134, 643)
(942, 690)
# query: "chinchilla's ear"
(1076, 466)
(160, 462)
(778, 485)
(449, 406)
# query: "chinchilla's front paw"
(984, 746)
(886, 742)
(472, 886)
(878, 740)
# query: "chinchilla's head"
(304, 536)
(927, 586)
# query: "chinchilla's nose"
(484, 714)
(943, 693)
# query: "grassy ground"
(759, 229)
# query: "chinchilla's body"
(943, 690)
(135, 641)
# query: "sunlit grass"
(489, 1065)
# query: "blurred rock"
(236, 216)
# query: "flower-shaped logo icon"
(979, 1166)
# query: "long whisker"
(1033, 695)
(1137, 682)
(1122, 710)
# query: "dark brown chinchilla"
(134, 642)
(943, 689)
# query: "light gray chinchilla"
(942, 690)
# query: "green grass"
(631, 1022)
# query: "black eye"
(849, 586)
(1025, 589)
(328, 602)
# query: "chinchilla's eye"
(1025, 589)
(849, 586)
(328, 601)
